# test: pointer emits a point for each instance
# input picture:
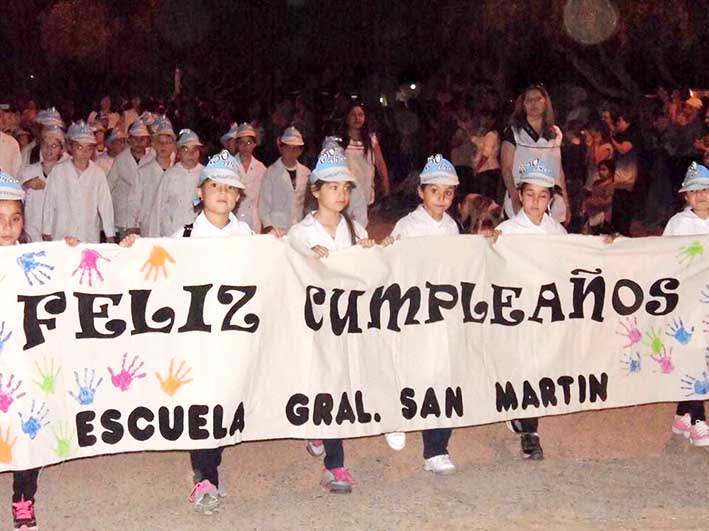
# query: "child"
(536, 191)
(254, 171)
(436, 191)
(598, 206)
(690, 419)
(327, 229)
(78, 201)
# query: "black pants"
(622, 211)
(334, 453)
(435, 442)
(205, 464)
(695, 408)
(525, 425)
(24, 485)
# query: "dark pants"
(435, 442)
(24, 485)
(205, 464)
(334, 453)
(622, 211)
(525, 425)
(695, 408)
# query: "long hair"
(350, 224)
(365, 133)
(519, 116)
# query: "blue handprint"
(679, 332)
(87, 392)
(696, 386)
(35, 421)
(34, 269)
(632, 364)
(4, 340)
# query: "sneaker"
(315, 447)
(205, 497)
(531, 449)
(337, 481)
(23, 516)
(699, 434)
(439, 464)
(681, 425)
(396, 440)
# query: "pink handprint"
(631, 331)
(125, 377)
(665, 361)
(89, 263)
(7, 393)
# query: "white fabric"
(105, 162)
(125, 192)
(309, 233)
(77, 205)
(174, 199)
(521, 224)
(280, 205)
(34, 199)
(362, 166)
(686, 223)
(203, 228)
(247, 210)
(10, 156)
(26, 152)
(150, 177)
(420, 223)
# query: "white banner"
(190, 343)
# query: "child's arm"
(105, 210)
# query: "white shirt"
(362, 166)
(310, 233)
(247, 210)
(174, 200)
(521, 224)
(105, 162)
(123, 183)
(686, 223)
(76, 204)
(150, 177)
(34, 199)
(26, 152)
(420, 223)
(10, 156)
(203, 228)
(281, 205)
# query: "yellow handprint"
(6, 447)
(174, 380)
(156, 262)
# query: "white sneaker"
(439, 464)
(396, 440)
(699, 434)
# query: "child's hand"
(387, 241)
(71, 241)
(366, 243)
(321, 251)
(277, 232)
(129, 240)
(490, 234)
(35, 183)
(610, 238)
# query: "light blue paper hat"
(50, 117)
(116, 134)
(331, 167)
(332, 142)
(52, 131)
(231, 133)
(292, 137)
(538, 172)
(81, 132)
(188, 138)
(245, 129)
(10, 188)
(222, 168)
(163, 126)
(439, 170)
(138, 128)
(696, 178)
(148, 118)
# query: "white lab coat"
(174, 198)
(279, 204)
(247, 210)
(123, 183)
(10, 156)
(309, 233)
(686, 223)
(150, 177)
(203, 228)
(34, 199)
(420, 223)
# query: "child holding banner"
(536, 192)
(436, 191)
(327, 229)
(690, 419)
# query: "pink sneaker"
(23, 516)
(337, 480)
(315, 447)
(204, 497)
(681, 425)
(699, 434)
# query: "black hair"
(365, 133)
(610, 164)
(348, 220)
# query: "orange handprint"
(156, 262)
(6, 446)
(174, 379)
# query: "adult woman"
(532, 135)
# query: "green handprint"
(47, 376)
(690, 253)
(63, 439)
(654, 341)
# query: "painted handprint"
(63, 439)
(47, 376)
(174, 379)
(679, 332)
(664, 361)
(690, 253)
(87, 392)
(35, 421)
(7, 392)
(5, 339)
(630, 330)
(156, 262)
(34, 269)
(125, 377)
(89, 264)
(705, 295)
(696, 386)
(631, 364)
(654, 341)
(6, 446)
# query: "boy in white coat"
(253, 172)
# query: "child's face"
(246, 145)
(117, 147)
(604, 172)
(189, 156)
(436, 198)
(218, 198)
(334, 196)
(51, 149)
(699, 201)
(535, 201)
(164, 146)
(138, 144)
(82, 152)
(11, 222)
(289, 153)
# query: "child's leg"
(529, 438)
(336, 478)
(206, 463)
(334, 454)
(435, 442)
(24, 485)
